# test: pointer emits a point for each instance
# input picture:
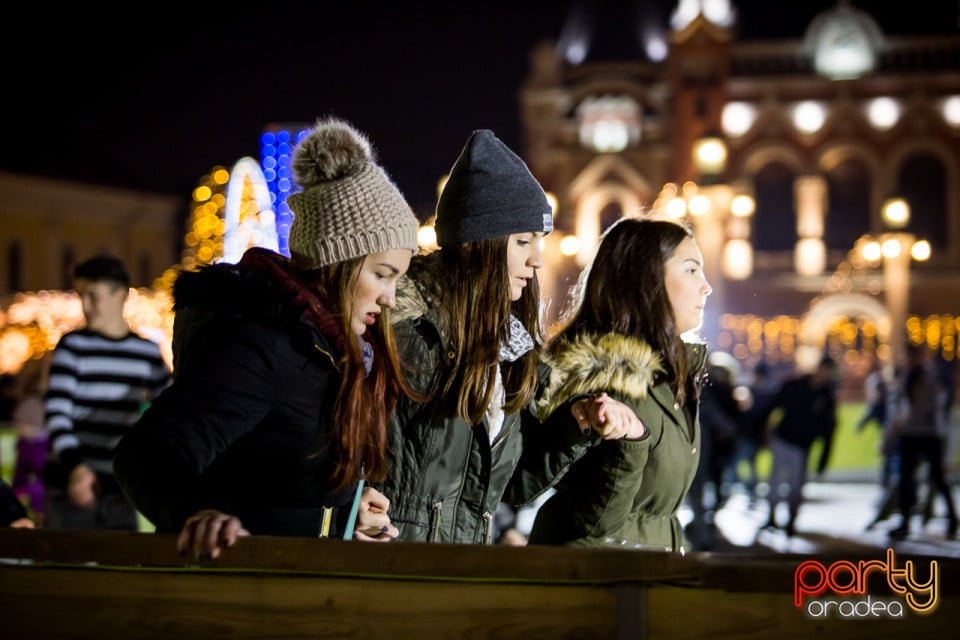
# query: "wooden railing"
(76, 584)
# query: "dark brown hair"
(623, 290)
(475, 312)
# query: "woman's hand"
(373, 523)
(23, 523)
(608, 417)
(207, 532)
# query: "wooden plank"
(76, 602)
(333, 557)
(79, 584)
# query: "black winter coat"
(244, 427)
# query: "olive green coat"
(622, 493)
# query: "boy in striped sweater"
(102, 376)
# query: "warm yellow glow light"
(890, 248)
(896, 213)
(920, 251)
(427, 236)
(742, 206)
(676, 208)
(570, 245)
(737, 259)
(810, 256)
(738, 117)
(699, 205)
(871, 251)
(809, 116)
(710, 155)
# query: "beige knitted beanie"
(348, 207)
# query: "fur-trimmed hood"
(417, 293)
(410, 302)
(591, 363)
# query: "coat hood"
(260, 284)
(418, 292)
(410, 302)
(591, 363)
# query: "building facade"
(820, 134)
(50, 225)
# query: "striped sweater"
(98, 387)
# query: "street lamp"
(895, 249)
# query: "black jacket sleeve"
(11, 508)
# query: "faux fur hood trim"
(410, 302)
(591, 364)
(418, 291)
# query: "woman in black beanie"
(467, 325)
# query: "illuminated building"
(819, 131)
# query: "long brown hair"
(475, 312)
(365, 401)
(623, 290)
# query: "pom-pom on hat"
(348, 207)
(490, 193)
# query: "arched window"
(775, 220)
(922, 181)
(848, 206)
(610, 213)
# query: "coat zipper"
(435, 508)
(487, 527)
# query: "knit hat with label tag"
(490, 193)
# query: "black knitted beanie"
(490, 193)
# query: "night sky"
(152, 102)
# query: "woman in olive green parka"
(643, 291)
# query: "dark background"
(152, 98)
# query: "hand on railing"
(207, 532)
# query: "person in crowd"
(752, 436)
(916, 425)
(31, 433)
(887, 505)
(630, 335)
(285, 369)
(467, 323)
(720, 418)
(100, 378)
(13, 513)
(875, 392)
(808, 405)
(947, 425)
